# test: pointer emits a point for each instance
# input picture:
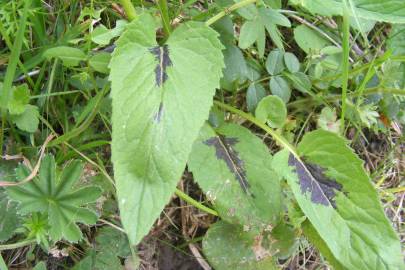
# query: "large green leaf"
(313, 236)
(396, 41)
(336, 195)
(392, 11)
(161, 98)
(229, 247)
(232, 166)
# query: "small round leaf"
(272, 109)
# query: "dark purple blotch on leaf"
(159, 113)
(224, 150)
(162, 56)
(312, 179)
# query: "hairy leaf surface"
(232, 166)
(161, 98)
(336, 195)
(9, 219)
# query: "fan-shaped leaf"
(9, 219)
(54, 194)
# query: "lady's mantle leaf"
(336, 195)
(161, 98)
(53, 193)
(9, 219)
(232, 166)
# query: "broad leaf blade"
(392, 11)
(161, 98)
(232, 166)
(228, 247)
(313, 236)
(396, 41)
(336, 195)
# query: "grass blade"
(345, 62)
(3, 265)
(14, 57)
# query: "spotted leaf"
(161, 96)
(233, 167)
(335, 193)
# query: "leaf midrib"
(236, 167)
